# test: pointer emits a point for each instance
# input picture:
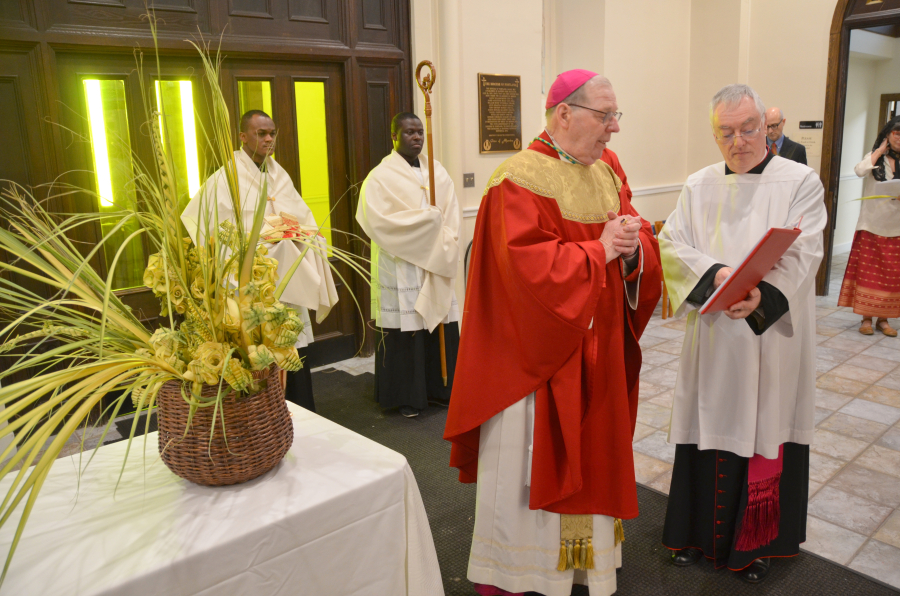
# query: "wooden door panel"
(12, 11)
(319, 20)
(24, 151)
(382, 101)
(124, 15)
(380, 23)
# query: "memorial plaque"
(499, 113)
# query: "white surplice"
(312, 286)
(879, 216)
(415, 247)
(737, 391)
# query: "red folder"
(751, 271)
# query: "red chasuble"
(545, 313)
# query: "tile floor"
(854, 486)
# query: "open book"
(752, 269)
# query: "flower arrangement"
(219, 300)
(225, 333)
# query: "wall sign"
(499, 113)
(810, 136)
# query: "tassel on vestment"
(575, 548)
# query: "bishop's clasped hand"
(621, 235)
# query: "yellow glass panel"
(180, 135)
(256, 95)
(312, 140)
(113, 171)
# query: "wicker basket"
(258, 429)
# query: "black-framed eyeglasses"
(607, 115)
(774, 126)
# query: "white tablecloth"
(340, 515)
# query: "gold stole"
(584, 193)
(576, 551)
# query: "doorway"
(862, 93)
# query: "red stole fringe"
(762, 517)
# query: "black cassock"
(708, 494)
(298, 389)
(408, 366)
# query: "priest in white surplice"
(415, 255)
(744, 401)
(312, 285)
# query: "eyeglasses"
(606, 118)
(747, 135)
(776, 125)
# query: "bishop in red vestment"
(564, 277)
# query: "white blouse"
(879, 216)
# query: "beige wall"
(647, 55)
(887, 80)
(789, 59)
(857, 116)
(715, 52)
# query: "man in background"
(776, 140)
(415, 256)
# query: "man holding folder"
(742, 417)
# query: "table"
(340, 515)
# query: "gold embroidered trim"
(584, 217)
(497, 181)
(494, 563)
(511, 548)
(584, 194)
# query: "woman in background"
(872, 279)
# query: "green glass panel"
(312, 140)
(111, 147)
(180, 135)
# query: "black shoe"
(686, 556)
(409, 411)
(437, 401)
(756, 571)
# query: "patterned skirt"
(872, 280)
